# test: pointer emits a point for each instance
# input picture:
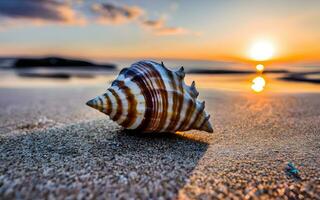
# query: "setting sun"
(260, 67)
(262, 50)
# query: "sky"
(203, 30)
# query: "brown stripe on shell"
(100, 105)
(174, 97)
(181, 100)
(96, 106)
(162, 116)
(156, 115)
(132, 103)
(189, 112)
(194, 123)
(133, 73)
(108, 104)
(119, 104)
(178, 99)
(149, 74)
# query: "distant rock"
(56, 62)
(302, 77)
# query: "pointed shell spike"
(203, 105)
(193, 89)
(181, 72)
(208, 117)
(193, 84)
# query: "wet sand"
(53, 146)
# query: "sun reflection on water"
(258, 84)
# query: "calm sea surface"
(225, 82)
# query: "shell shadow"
(154, 135)
(99, 160)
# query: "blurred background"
(235, 45)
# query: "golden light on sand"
(258, 84)
(261, 50)
(260, 67)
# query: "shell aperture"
(151, 98)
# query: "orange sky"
(210, 30)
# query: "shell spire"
(151, 98)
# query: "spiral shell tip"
(91, 103)
(95, 103)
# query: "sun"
(260, 68)
(261, 50)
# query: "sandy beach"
(53, 146)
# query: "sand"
(53, 146)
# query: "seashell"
(151, 98)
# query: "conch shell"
(151, 98)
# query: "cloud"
(159, 27)
(15, 13)
(112, 14)
(115, 14)
(38, 12)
